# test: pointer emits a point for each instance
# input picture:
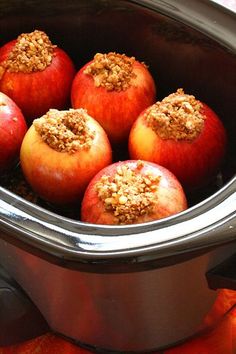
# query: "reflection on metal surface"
(230, 4)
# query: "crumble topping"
(32, 52)
(178, 116)
(65, 131)
(129, 193)
(112, 71)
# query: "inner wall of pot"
(176, 55)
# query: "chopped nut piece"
(178, 116)
(32, 52)
(140, 164)
(136, 193)
(123, 199)
(65, 131)
(112, 71)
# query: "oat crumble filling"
(129, 194)
(178, 116)
(32, 52)
(65, 131)
(112, 71)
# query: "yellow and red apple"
(182, 134)
(60, 155)
(130, 192)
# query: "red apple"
(129, 192)
(114, 89)
(35, 74)
(61, 152)
(12, 130)
(183, 135)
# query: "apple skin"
(115, 111)
(171, 196)
(195, 162)
(12, 130)
(60, 177)
(35, 93)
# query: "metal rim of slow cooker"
(74, 244)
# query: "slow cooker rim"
(218, 23)
(62, 242)
(22, 204)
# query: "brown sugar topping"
(178, 116)
(129, 194)
(112, 71)
(32, 52)
(65, 131)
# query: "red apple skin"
(59, 177)
(35, 93)
(115, 111)
(12, 130)
(171, 196)
(195, 162)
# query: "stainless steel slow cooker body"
(139, 287)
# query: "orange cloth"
(221, 340)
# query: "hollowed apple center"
(32, 52)
(178, 116)
(112, 71)
(129, 193)
(65, 131)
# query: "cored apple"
(114, 89)
(36, 74)
(130, 192)
(182, 134)
(12, 130)
(61, 152)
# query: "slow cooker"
(143, 287)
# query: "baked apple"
(114, 89)
(61, 152)
(182, 134)
(12, 130)
(36, 74)
(130, 192)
